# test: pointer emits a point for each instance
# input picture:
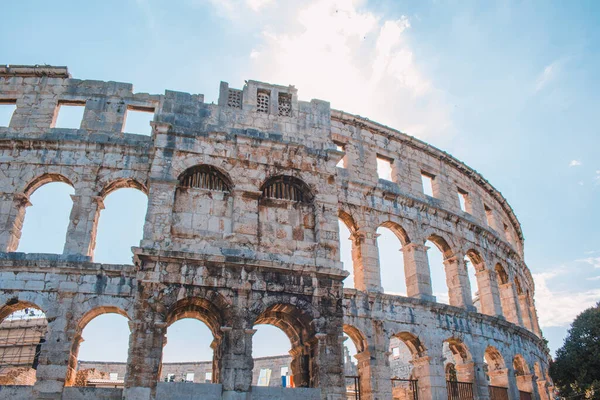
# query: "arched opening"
(474, 263)
(507, 296)
(47, 219)
(404, 349)
(120, 225)
(286, 219)
(459, 367)
(296, 326)
(203, 207)
(272, 360)
(501, 274)
(192, 344)
(495, 369)
(22, 333)
(390, 240)
(356, 362)
(187, 354)
(437, 252)
(522, 374)
(345, 225)
(100, 349)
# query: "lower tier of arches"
(397, 339)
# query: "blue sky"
(509, 87)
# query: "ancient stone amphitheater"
(244, 200)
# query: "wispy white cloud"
(549, 74)
(593, 261)
(574, 163)
(358, 61)
(594, 278)
(257, 4)
(234, 9)
(559, 308)
(597, 178)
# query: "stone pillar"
(488, 292)
(457, 280)
(430, 373)
(72, 366)
(513, 388)
(81, 233)
(416, 270)
(365, 258)
(300, 366)
(374, 369)
(157, 228)
(145, 355)
(480, 382)
(543, 390)
(525, 311)
(55, 354)
(236, 361)
(245, 217)
(326, 364)
(12, 214)
(509, 305)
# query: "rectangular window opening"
(463, 198)
(507, 232)
(137, 120)
(427, 181)
(384, 168)
(69, 114)
(234, 98)
(7, 109)
(170, 377)
(285, 104)
(208, 377)
(263, 98)
(396, 352)
(342, 162)
(113, 376)
(284, 371)
(264, 377)
(488, 215)
(189, 377)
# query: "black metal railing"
(525, 395)
(410, 386)
(498, 393)
(459, 390)
(352, 387)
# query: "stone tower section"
(244, 199)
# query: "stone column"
(416, 270)
(457, 280)
(509, 305)
(12, 214)
(525, 311)
(55, 354)
(374, 370)
(513, 388)
(146, 343)
(81, 233)
(236, 361)
(480, 382)
(72, 366)
(326, 364)
(300, 366)
(157, 228)
(430, 373)
(245, 217)
(365, 258)
(488, 292)
(543, 390)
(534, 319)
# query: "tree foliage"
(576, 369)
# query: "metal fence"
(524, 396)
(352, 387)
(409, 386)
(459, 390)
(498, 393)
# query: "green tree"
(576, 369)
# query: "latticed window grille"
(234, 98)
(287, 188)
(285, 104)
(205, 177)
(262, 101)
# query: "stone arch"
(442, 244)
(84, 320)
(120, 183)
(461, 358)
(398, 230)
(200, 309)
(22, 349)
(520, 365)
(414, 344)
(22, 201)
(348, 220)
(205, 176)
(297, 324)
(286, 187)
(501, 274)
(21, 302)
(391, 239)
(494, 359)
(357, 337)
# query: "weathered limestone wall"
(244, 198)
